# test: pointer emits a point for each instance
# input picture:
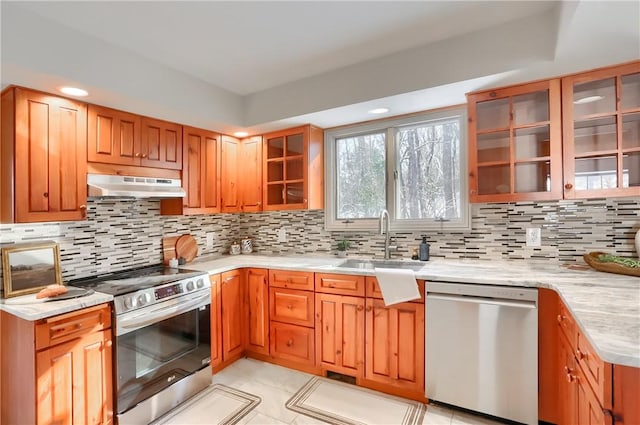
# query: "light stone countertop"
(606, 306)
(27, 307)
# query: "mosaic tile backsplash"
(121, 234)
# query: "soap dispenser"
(424, 249)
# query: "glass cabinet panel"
(494, 147)
(295, 169)
(275, 171)
(533, 177)
(493, 114)
(594, 97)
(531, 108)
(494, 179)
(294, 193)
(596, 173)
(595, 135)
(275, 194)
(533, 142)
(630, 98)
(275, 148)
(631, 131)
(295, 145)
(631, 170)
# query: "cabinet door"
(515, 146)
(75, 381)
(394, 344)
(229, 175)
(50, 158)
(251, 176)
(340, 333)
(548, 333)
(291, 306)
(216, 320)
(566, 379)
(161, 144)
(626, 393)
(258, 310)
(589, 410)
(293, 169)
(233, 317)
(113, 136)
(200, 178)
(293, 343)
(601, 132)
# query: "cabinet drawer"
(290, 279)
(292, 342)
(66, 327)
(291, 306)
(341, 284)
(597, 372)
(373, 290)
(567, 325)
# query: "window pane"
(428, 165)
(360, 162)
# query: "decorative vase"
(638, 244)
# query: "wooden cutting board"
(187, 247)
(169, 249)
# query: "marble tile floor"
(275, 385)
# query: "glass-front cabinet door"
(601, 132)
(515, 148)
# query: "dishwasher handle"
(482, 300)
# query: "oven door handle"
(145, 318)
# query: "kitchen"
(119, 235)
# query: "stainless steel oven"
(162, 339)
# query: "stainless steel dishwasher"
(482, 349)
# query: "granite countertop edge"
(27, 307)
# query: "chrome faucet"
(384, 230)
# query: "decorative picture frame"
(29, 267)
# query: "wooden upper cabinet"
(601, 132)
(200, 174)
(293, 169)
(515, 146)
(161, 144)
(121, 138)
(230, 174)
(113, 136)
(44, 163)
(251, 175)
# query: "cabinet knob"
(568, 186)
(109, 343)
(579, 354)
(289, 343)
(560, 318)
(144, 155)
(570, 377)
(83, 210)
(289, 307)
(359, 308)
(369, 308)
(138, 154)
(46, 194)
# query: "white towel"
(397, 285)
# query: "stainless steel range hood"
(99, 185)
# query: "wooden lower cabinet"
(58, 370)
(626, 395)
(394, 344)
(233, 314)
(257, 295)
(216, 321)
(340, 333)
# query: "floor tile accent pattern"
(344, 404)
(218, 404)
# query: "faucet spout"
(384, 230)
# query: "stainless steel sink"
(372, 264)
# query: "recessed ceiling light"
(587, 99)
(379, 110)
(74, 91)
(241, 134)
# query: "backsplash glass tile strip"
(120, 234)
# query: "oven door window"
(151, 358)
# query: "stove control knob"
(190, 286)
(144, 299)
(130, 302)
(200, 283)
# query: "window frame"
(391, 126)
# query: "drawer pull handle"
(289, 343)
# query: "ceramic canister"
(235, 249)
(247, 245)
(638, 244)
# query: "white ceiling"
(264, 64)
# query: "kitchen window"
(415, 167)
